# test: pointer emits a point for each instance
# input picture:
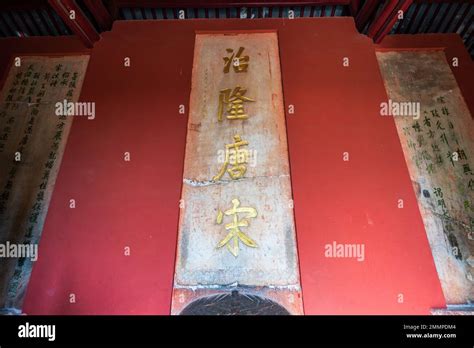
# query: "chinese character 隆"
(231, 104)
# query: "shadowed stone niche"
(234, 303)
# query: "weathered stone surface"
(443, 183)
(468, 310)
(39, 135)
(263, 260)
(273, 262)
(265, 127)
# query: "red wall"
(136, 204)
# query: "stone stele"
(265, 186)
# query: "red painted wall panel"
(136, 203)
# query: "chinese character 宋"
(235, 235)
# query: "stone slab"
(443, 183)
(273, 262)
(264, 128)
(214, 255)
(30, 126)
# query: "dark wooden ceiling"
(375, 18)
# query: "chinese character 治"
(239, 63)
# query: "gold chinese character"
(236, 157)
(234, 100)
(235, 234)
(240, 64)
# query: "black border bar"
(139, 330)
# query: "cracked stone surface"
(265, 186)
(273, 262)
(265, 127)
(444, 189)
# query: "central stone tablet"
(236, 224)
